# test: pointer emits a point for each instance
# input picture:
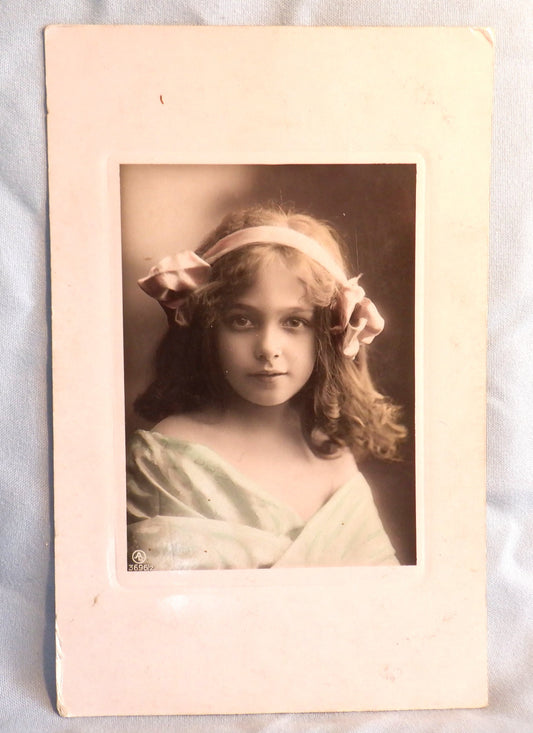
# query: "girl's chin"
(269, 392)
(256, 402)
(247, 400)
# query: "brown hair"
(339, 404)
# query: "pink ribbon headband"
(172, 280)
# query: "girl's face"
(266, 338)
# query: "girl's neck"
(258, 420)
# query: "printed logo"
(138, 557)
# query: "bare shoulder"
(193, 426)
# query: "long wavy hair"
(339, 405)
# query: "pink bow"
(368, 323)
(175, 277)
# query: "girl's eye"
(239, 322)
(295, 322)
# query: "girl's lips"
(268, 374)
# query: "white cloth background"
(26, 577)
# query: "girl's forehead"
(276, 282)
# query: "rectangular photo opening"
(269, 365)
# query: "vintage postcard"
(268, 322)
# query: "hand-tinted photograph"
(269, 365)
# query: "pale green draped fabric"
(190, 509)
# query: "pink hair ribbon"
(368, 322)
(176, 276)
(172, 280)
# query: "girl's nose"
(268, 344)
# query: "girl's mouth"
(268, 375)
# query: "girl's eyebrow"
(241, 306)
(301, 309)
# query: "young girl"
(263, 405)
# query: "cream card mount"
(291, 639)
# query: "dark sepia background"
(166, 208)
